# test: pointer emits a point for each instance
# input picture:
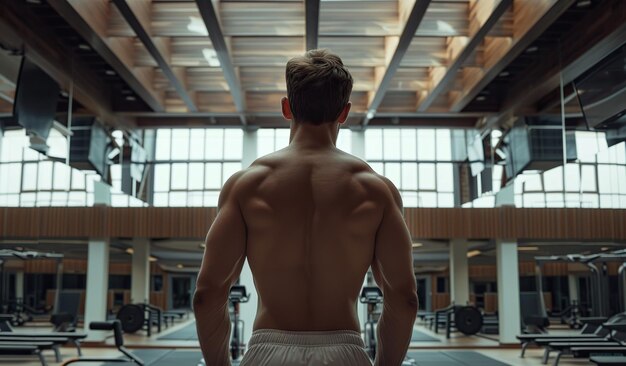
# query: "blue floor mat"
(422, 337)
(163, 357)
(453, 358)
(187, 333)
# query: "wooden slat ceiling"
(261, 36)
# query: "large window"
(192, 165)
(418, 161)
(29, 179)
(596, 180)
(270, 140)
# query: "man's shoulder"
(367, 176)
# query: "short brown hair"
(318, 86)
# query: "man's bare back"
(311, 217)
(311, 220)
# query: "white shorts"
(268, 347)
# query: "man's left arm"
(223, 259)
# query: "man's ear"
(344, 113)
(284, 103)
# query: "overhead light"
(527, 249)
(84, 47)
(153, 259)
(130, 98)
(118, 135)
(64, 94)
(473, 253)
(202, 245)
(370, 114)
(114, 152)
(417, 245)
(480, 98)
(109, 72)
(180, 266)
(196, 25)
(211, 57)
(504, 74)
(583, 3)
(532, 49)
(604, 249)
(19, 249)
(130, 251)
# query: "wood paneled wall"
(430, 223)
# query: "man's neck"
(313, 136)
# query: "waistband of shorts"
(306, 338)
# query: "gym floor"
(188, 349)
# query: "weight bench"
(608, 360)
(64, 337)
(592, 330)
(118, 334)
(43, 343)
(179, 313)
(22, 350)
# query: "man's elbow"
(199, 298)
(413, 302)
(406, 300)
(209, 296)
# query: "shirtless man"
(311, 220)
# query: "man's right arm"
(393, 271)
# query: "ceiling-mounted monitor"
(476, 153)
(533, 146)
(602, 91)
(35, 104)
(90, 146)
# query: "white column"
(358, 150)
(140, 275)
(358, 143)
(248, 310)
(459, 272)
(97, 271)
(249, 154)
(572, 284)
(508, 291)
(101, 194)
(19, 285)
(97, 286)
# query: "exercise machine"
(236, 296)
(17, 306)
(599, 290)
(372, 296)
(571, 315)
(116, 327)
(136, 317)
(465, 319)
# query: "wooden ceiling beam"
(211, 21)
(89, 19)
(486, 14)
(598, 34)
(46, 52)
(413, 20)
(137, 15)
(531, 20)
(312, 21)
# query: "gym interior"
(501, 122)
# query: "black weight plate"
(468, 320)
(132, 318)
